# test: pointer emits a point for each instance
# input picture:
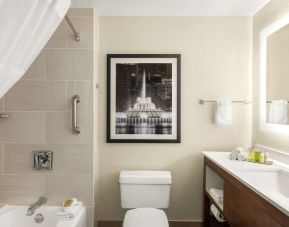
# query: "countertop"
(238, 168)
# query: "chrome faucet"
(31, 209)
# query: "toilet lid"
(145, 217)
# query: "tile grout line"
(66, 35)
(49, 111)
(68, 48)
(73, 16)
(41, 142)
(55, 80)
(3, 156)
(44, 66)
(67, 99)
(44, 125)
(3, 103)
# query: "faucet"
(31, 209)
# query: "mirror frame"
(264, 126)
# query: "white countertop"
(238, 170)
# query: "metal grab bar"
(76, 33)
(75, 128)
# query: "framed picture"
(143, 98)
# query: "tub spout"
(31, 209)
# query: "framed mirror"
(274, 77)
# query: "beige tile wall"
(41, 120)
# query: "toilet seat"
(145, 217)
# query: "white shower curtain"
(25, 28)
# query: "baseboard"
(172, 224)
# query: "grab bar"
(75, 128)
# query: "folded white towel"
(278, 113)
(223, 112)
(217, 194)
(68, 213)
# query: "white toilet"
(145, 193)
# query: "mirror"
(277, 86)
(274, 77)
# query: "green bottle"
(257, 156)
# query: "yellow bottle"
(252, 156)
(262, 157)
(257, 156)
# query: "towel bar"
(271, 101)
(202, 102)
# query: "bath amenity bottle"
(266, 157)
(262, 157)
(250, 155)
(257, 156)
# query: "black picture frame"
(176, 120)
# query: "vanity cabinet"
(242, 206)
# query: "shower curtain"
(25, 28)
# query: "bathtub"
(15, 216)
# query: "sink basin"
(15, 216)
(275, 181)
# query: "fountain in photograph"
(144, 117)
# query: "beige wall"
(270, 13)
(41, 120)
(216, 62)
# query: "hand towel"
(68, 213)
(217, 194)
(223, 112)
(278, 113)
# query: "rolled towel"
(217, 214)
(217, 194)
(235, 153)
(67, 213)
(223, 112)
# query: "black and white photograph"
(143, 98)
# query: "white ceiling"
(173, 7)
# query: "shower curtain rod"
(76, 34)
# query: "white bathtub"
(15, 216)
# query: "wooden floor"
(172, 224)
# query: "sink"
(275, 181)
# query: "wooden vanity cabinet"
(242, 206)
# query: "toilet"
(145, 193)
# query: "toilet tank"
(145, 189)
